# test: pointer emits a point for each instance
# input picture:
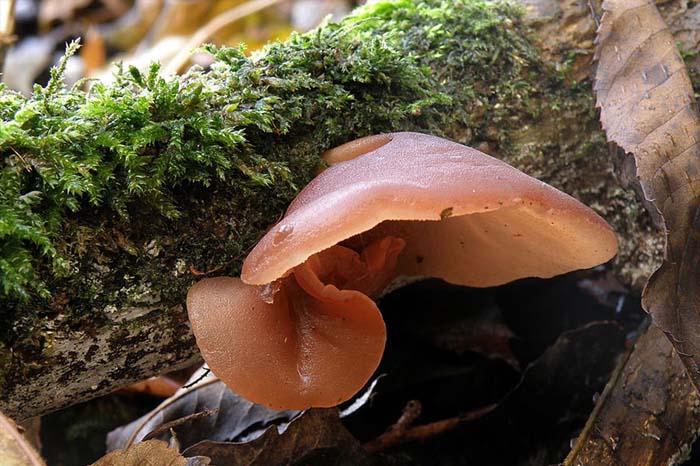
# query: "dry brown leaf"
(648, 109)
(228, 417)
(647, 415)
(316, 437)
(14, 448)
(148, 453)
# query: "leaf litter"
(15, 450)
(228, 416)
(647, 414)
(648, 109)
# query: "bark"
(120, 343)
(85, 365)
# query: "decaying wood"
(154, 337)
(89, 365)
(648, 415)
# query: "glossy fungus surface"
(467, 217)
(300, 328)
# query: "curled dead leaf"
(647, 415)
(15, 450)
(317, 437)
(648, 109)
(206, 410)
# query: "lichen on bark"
(120, 196)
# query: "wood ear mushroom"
(300, 329)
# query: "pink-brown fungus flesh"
(318, 340)
(352, 149)
(300, 329)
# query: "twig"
(212, 27)
(19, 156)
(164, 405)
(397, 435)
(178, 422)
(410, 413)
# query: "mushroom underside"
(492, 248)
(315, 336)
(303, 330)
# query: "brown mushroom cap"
(466, 217)
(304, 332)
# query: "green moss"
(115, 198)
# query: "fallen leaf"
(198, 461)
(149, 453)
(561, 382)
(317, 437)
(605, 289)
(647, 415)
(554, 397)
(648, 109)
(229, 416)
(15, 450)
(487, 335)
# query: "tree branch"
(173, 174)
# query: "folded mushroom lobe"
(466, 217)
(316, 344)
(413, 205)
(352, 149)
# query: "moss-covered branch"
(113, 200)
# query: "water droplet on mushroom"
(285, 231)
